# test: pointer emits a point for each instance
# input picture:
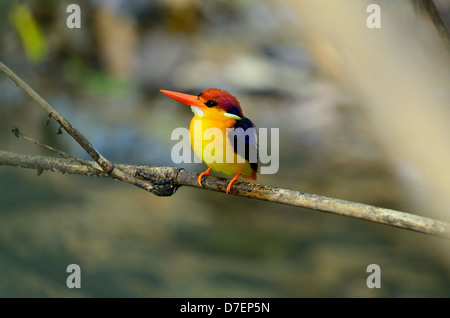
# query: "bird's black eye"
(211, 103)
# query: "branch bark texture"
(176, 178)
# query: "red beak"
(191, 100)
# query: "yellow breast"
(210, 142)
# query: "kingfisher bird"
(216, 108)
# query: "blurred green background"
(105, 78)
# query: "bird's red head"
(211, 101)
(214, 97)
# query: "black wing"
(245, 141)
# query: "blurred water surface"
(105, 79)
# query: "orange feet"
(206, 173)
(231, 182)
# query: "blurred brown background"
(363, 116)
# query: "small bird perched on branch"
(235, 147)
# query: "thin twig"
(250, 190)
(433, 12)
(20, 135)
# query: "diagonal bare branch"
(107, 166)
(433, 12)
